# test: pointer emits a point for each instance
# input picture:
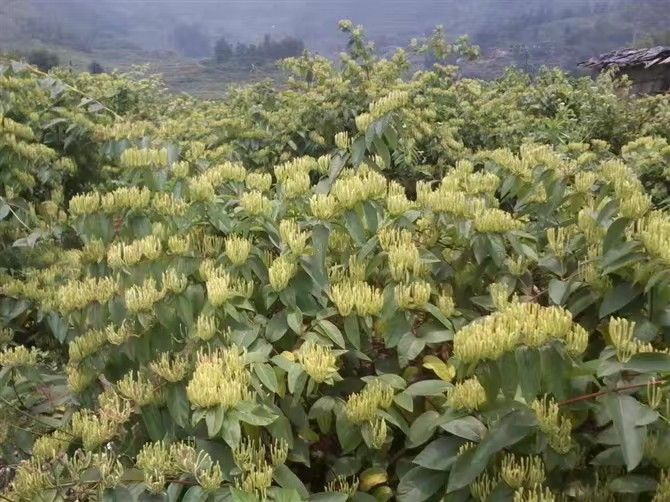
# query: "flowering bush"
(359, 287)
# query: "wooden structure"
(648, 69)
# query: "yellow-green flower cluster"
(237, 249)
(342, 140)
(259, 181)
(119, 335)
(358, 295)
(397, 202)
(32, 480)
(86, 345)
(75, 295)
(519, 166)
(363, 406)
(293, 237)
(654, 232)
(413, 295)
(519, 324)
(170, 368)
(121, 255)
(494, 220)
(13, 357)
(633, 201)
(484, 485)
(342, 485)
(324, 207)
(221, 287)
(318, 361)
(467, 395)
(138, 158)
(558, 429)
(282, 271)
(205, 327)
(200, 189)
(159, 462)
(354, 187)
(226, 172)
(220, 379)
(392, 101)
(79, 378)
(522, 471)
(52, 445)
(83, 204)
(251, 458)
(297, 166)
(138, 388)
(142, 297)
(125, 198)
(255, 203)
(536, 493)
(93, 430)
(621, 333)
(166, 204)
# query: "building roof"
(626, 58)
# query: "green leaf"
(352, 331)
(509, 430)
(409, 347)
(322, 412)
(294, 321)
(178, 404)
(285, 495)
(355, 227)
(617, 298)
(358, 149)
(287, 479)
(440, 454)
(329, 497)
(240, 496)
(256, 415)
(267, 376)
(423, 428)
(466, 427)
(428, 388)
(633, 484)
(529, 372)
(419, 484)
(558, 291)
(231, 432)
(276, 327)
(615, 234)
(214, 420)
(348, 434)
(153, 421)
(195, 494)
(623, 411)
(648, 362)
(332, 332)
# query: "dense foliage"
(365, 286)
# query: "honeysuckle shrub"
(364, 286)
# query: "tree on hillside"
(189, 40)
(223, 50)
(95, 68)
(43, 59)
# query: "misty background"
(179, 37)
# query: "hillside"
(510, 32)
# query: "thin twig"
(73, 89)
(34, 418)
(14, 213)
(594, 395)
(18, 397)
